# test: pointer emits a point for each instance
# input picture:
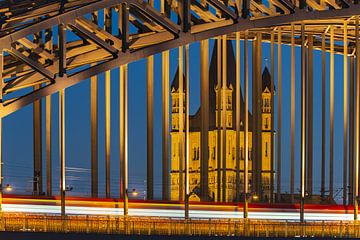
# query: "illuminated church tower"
(177, 168)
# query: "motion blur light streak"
(174, 210)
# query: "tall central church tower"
(215, 187)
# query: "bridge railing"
(161, 226)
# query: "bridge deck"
(118, 225)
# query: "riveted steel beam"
(346, 120)
(152, 13)
(165, 124)
(237, 115)
(37, 144)
(279, 120)
(323, 113)
(34, 65)
(246, 125)
(310, 97)
(62, 150)
(357, 122)
(1, 128)
(204, 141)
(351, 129)
(331, 100)
(303, 123)
(223, 8)
(150, 127)
(94, 126)
(218, 143)
(124, 138)
(181, 123)
(272, 104)
(93, 38)
(48, 121)
(292, 116)
(223, 92)
(187, 133)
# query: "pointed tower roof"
(195, 120)
(175, 82)
(266, 79)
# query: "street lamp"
(134, 193)
(255, 197)
(8, 188)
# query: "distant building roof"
(266, 79)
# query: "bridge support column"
(331, 167)
(272, 137)
(123, 22)
(278, 168)
(94, 126)
(218, 144)
(1, 155)
(150, 125)
(94, 134)
(124, 137)
(258, 113)
(62, 73)
(62, 149)
(351, 130)
(37, 134)
(165, 114)
(292, 117)
(48, 146)
(345, 42)
(323, 113)
(48, 124)
(237, 124)
(107, 134)
(357, 121)
(204, 95)
(150, 128)
(303, 122)
(37, 131)
(107, 27)
(223, 117)
(181, 124)
(187, 139)
(246, 125)
(310, 87)
(165, 125)
(254, 115)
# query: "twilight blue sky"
(17, 133)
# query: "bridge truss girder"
(27, 64)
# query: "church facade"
(215, 150)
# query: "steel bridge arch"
(125, 57)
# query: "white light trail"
(176, 213)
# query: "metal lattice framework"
(31, 63)
(47, 46)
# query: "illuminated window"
(266, 122)
(266, 149)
